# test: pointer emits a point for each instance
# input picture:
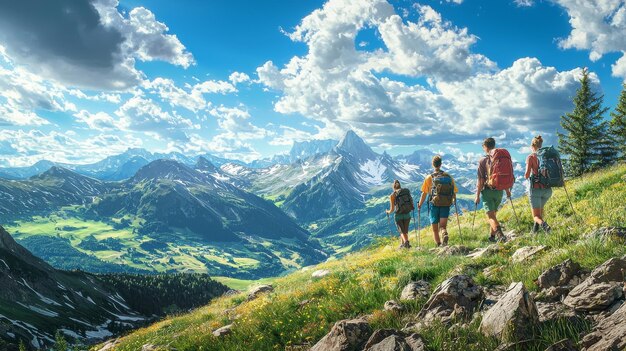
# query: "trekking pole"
(389, 225)
(415, 225)
(474, 219)
(515, 213)
(458, 222)
(419, 223)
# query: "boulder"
(549, 311)
(391, 343)
(554, 293)
(593, 297)
(345, 335)
(608, 334)
(393, 306)
(513, 316)
(380, 335)
(483, 252)
(415, 342)
(608, 233)
(259, 290)
(457, 297)
(390, 339)
(452, 250)
(321, 273)
(223, 331)
(563, 345)
(416, 290)
(559, 275)
(527, 252)
(613, 270)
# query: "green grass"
(361, 282)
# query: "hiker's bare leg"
(436, 233)
(538, 215)
(493, 221)
(405, 237)
(443, 224)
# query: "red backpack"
(500, 171)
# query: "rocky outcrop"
(457, 297)
(608, 233)
(527, 252)
(259, 290)
(321, 273)
(345, 335)
(549, 311)
(394, 340)
(223, 331)
(601, 289)
(483, 252)
(559, 275)
(393, 306)
(416, 290)
(609, 334)
(513, 316)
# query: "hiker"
(495, 175)
(441, 191)
(538, 192)
(401, 202)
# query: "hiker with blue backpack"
(441, 191)
(543, 171)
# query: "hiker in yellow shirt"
(441, 191)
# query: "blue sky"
(245, 79)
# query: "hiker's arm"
(391, 205)
(422, 198)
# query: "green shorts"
(492, 199)
(539, 197)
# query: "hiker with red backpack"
(544, 171)
(495, 176)
(401, 202)
(441, 191)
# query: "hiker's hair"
(437, 161)
(396, 185)
(537, 142)
(489, 143)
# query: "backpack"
(500, 170)
(404, 201)
(550, 168)
(442, 190)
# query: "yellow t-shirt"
(428, 184)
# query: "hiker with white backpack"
(441, 191)
(401, 203)
(495, 176)
(543, 171)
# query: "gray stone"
(483, 252)
(148, 347)
(554, 293)
(613, 270)
(393, 306)
(609, 334)
(223, 331)
(380, 335)
(259, 290)
(110, 345)
(589, 296)
(457, 297)
(415, 290)
(549, 311)
(415, 342)
(513, 316)
(345, 335)
(452, 250)
(391, 343)
(608, 233)
(390, 339)
(527, 252)
(559, 275)
(320, 273)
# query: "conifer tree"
(60, 344)
(618, 125)
(584, 130)
(22, 346)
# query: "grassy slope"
(360, 283)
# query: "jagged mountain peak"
(205, 165)
(167, 169)
(59, 173)
(354, 145)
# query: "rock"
(513, 316)
(148, 347)
(483, 251)
(320, 273)
(593, 297)
(390, 343)
(558, 275)
(554, 293)
(608, 233)
(609, 334)
(223, 331)
(527, 252)
(457, 297)
(415, 342)
(110, 345)
(393, 306)
(452, 250)
(304, 303)
(231, 292)
(345, 335)
(563, 345)
(613, 270)
(416, 290)
(259, 290)
(549, 311)
(492, 295)
(390, 339)
(379, 335)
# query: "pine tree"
(618, 125)
(22, 346)
(584, 130)
(60, 344)
(607, 150)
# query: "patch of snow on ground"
(41, 311)
(90, 300)
(101, 332)
(373, 172)
(41, 297)
(70, 333)
(5, 264)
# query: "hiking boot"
(492, 238)
(407, 245)
(445, 238)
(438, 244)
(546, 228)
(500, 235)
(535, 228)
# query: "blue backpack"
(550, 168)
